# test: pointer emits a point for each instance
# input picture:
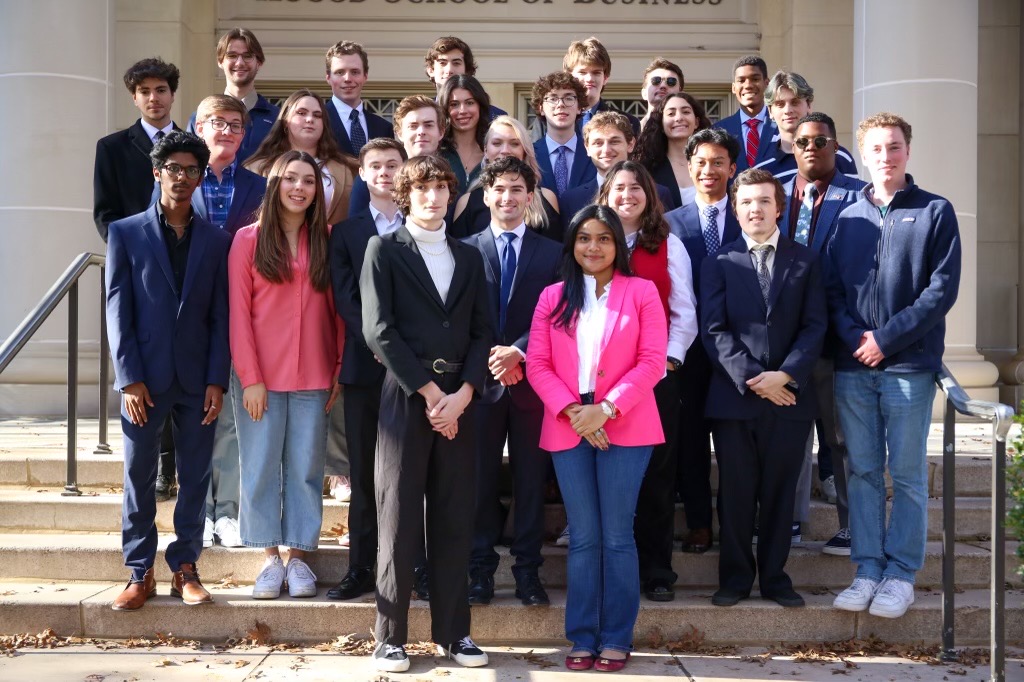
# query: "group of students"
(606, 299)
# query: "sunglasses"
(819, 141)
(671, 81)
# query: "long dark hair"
(652, 145)
(476, 90)
(276, 142)
(570, 303)
(272, 258)
(653, 226)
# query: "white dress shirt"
(682, 303)
(770, 261)
(153, 130)
(722, 205)
(433, 248)
(590, 331)
(345, 111)
(570, 155)
(384, 224)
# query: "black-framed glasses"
(819, 141)
(176, 170)
(671, 81)
(568, 100)
(221, 125)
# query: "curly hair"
(423, 169)
(153, 67)
(559, 80)
(652, 145)
(883, 119)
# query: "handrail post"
(71, 487)
(998, 622)
(103, 446)
(948, 530)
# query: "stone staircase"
(61, 567)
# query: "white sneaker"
(563, 539)
(828, 489)
(857, 596)
(893, 598)
(341, 488)
(388, 658)
(345, 540)
(226, 529)
(269, 581)
(464, 652)
(208, 533)
(301, 581)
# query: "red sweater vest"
(654, 267)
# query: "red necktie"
(753, 141)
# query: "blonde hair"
(535, 214)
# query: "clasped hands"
(505, 364)
(588, 421)
(772, 386)
(444, 409)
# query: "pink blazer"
(632, 361)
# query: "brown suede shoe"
(698, 542)
(185, 584)
(136, 594)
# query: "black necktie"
(508, 274)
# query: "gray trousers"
(337, 444)
(222, 497)
(824, 385)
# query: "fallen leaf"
(163, 663)
(259, 635)
(240, 663)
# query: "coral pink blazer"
(632, 361)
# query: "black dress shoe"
(788, 598)
(357, 581)
(698, 541)
(166, 488)
(531, 592)
(481, 588)
(659, 590)
(421, 586)
(728, 597)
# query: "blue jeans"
(879, 412)
(282, 461)
(600, 490)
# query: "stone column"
(919, 58)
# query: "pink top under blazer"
(632, 361)
(287, 335)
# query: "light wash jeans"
(884, 412)
(600, 491)
(282, 462)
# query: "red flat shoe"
(611, 665)
(579, 662)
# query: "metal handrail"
(67, 286)
(1001, 417)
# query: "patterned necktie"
(711, 241)
(753, 141)
(803, 218)
(508, 274)
(764, 278)
(357, 136)
(561, 170)
(159, 136)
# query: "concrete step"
(98, 557)
(83, 609)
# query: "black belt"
(442, 366)
(587, 398)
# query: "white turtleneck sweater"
(433, 247)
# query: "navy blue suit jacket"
(604, 106)
(582, 167)
(766, 148)
(261, 119)
(378, 127)
(245, 202)
(685, 223)
(743, 337)
(157, 336)
(536, 268)
(576, 198)
(843, 191)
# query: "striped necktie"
(753, 141)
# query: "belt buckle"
(434, 366)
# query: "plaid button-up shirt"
(217, 195)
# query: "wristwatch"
(608, 408)
(676, 362)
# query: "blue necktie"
(711, 241)
(357, 136)
(508, 273)
(803, 218)
(561, 170)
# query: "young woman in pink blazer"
(597, 349)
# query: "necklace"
(423, 247)
(177, 227)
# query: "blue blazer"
(843, 191)
(604, 106)
(684, 223)
(582, 167)
(578, 197)
(536, 268)
(743, 337)
(261, 119)
(157, 336)
(766, 148)
(378, 127)
(245, 202)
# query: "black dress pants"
(694, 439)
(362, 411)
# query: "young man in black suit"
(763, 322)
(363, 377)
(518, 264)
(703, 226)
(123, 175)
(425, 317)
(347, 70)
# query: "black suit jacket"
(744, 337)
(537, 267)
(378, 127)
(405, 322)
(123, 181)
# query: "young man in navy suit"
(564, 164)
(589, 62)
(379, 161)
(451, 56)
(763, 322)
(167, 321)
(703, 226)
(347, 70)
(518, 264)
(751, 125)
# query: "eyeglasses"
(176, 170)
(245, 57)
(671, 81)
(221, 125)
(568, 100)
(820, 141)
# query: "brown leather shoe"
(136, 594)
(185, 584)
(698, 542)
